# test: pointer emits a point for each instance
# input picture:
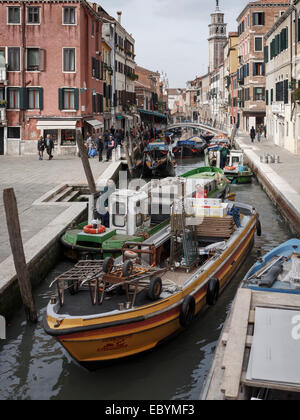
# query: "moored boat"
(278, 271)
(157, 161)
(190, 148)
(159, 300)
(212, 180)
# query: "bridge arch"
(203, 127)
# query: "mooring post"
(15, 238)
(129, 162)
(86, 163)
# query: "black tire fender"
(258, 228)
(188, 311)
(155, 288)
(213, 290)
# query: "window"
(33, 98)
(14, 15)
(68, 137)
(13, 59)
(258, 42)
(258, 69)
(69, 99)
(13, 132)
(259, 94)
(69, 16)
(13, 98)
(119, 215)
(258, 19)
(33, 59)
(33, 15)
(69, 59)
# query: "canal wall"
(44, 250)
(281, 181)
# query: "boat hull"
(102, 339)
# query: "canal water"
(34, 366)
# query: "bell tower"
(217, 38)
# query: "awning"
(152, 113)
(56, 125)
(95, 124)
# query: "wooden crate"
(216, 227)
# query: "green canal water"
(34, 366)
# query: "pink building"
(50, 73)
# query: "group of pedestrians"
(258, 133)
(45, 144)
(97, 144)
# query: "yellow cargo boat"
(157, 301)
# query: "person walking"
(41, 147)
(49, 146)
(259, 134)
(89, 144)
(100, 147)
(110, 147)
(252, 134)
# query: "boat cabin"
(236, 159)
(128, 211)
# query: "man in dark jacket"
(41, 147)
(49, 146)
(100, 147)
(252, 134)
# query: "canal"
(34, 366)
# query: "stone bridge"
(203, 127)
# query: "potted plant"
(3, 103)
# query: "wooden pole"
(15, 237)
(129, 162)
(86, 163)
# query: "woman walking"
(41, 147)
(252, 134)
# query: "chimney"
(119, 16)
(95, 6)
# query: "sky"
(171, 35)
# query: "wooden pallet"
(216, 227)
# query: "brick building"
(254, 22)
(53, 65)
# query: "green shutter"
(76, 99)
(60, 99)
(23, 98)
(41, 98)
(267, 97)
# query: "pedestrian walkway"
(283, 178)
(31, 179)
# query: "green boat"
(212, 180)
(235, 170)
(129, 221)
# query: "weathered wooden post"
(15, 238)
(233, 134)
(129, 162)
(86, 163)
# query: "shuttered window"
(68, 99)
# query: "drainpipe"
(22, 112)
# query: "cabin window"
(119, 215)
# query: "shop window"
(53, 134)
(68, 137)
